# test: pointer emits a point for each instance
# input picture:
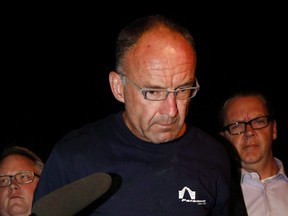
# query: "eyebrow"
(190, 83)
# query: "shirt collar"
(246, 174)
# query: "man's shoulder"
(99, 124)
(202, 135)
(89, 130)
(206, 142)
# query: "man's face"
(253, 146)
(161, 60)
(16, 199)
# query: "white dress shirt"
(267, 197)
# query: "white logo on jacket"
(192, 195)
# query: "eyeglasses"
(24, 177)
(182, 93)
(240, 127)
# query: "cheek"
(234, 141)
(146, 112)
(29, 188)
(134, 101)
(183, 106)
(3, 194)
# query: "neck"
(264, 170)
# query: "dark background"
(56, 60)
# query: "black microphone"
(72, 198)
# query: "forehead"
(161, 49)
(14, 163)
(241, 105)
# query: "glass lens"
(155, 94)
(237, 128)
(260, 122)
(24, 177)
(183, 93)
(4, 181)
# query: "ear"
(222, 134)
(116, 86)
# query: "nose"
(14, 184)
(169, 105)
(249, 131)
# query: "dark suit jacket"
(237, 205)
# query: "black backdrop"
(56, 60)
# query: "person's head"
(20, 169)
(247, 121)
(155, 57)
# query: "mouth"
(249, 146)
(166, 127)
(15, 197)
(167, 123)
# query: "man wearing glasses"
(20, 169)
(165, 166)
(260, 185)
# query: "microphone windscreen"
(73, 197)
